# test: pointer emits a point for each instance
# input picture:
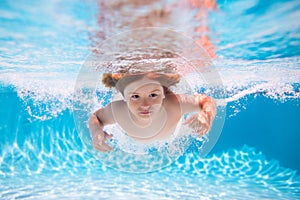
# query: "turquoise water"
(43, 46)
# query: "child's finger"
(107, 136)
(101, 148)
(106, 147)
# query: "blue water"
(42, 48)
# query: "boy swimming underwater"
(149, 111)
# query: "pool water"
(43, 46)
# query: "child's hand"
(99, 138)
(202, 122)
(199, 123)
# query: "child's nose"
(145, 103)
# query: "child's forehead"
(143, 85)
(147, 88)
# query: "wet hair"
(120, 81)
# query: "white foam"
(276, 79)
(42, 64)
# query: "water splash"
(44, 73)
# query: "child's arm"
(98, 120)
(206, 108)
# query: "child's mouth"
(145, 112)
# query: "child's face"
(144, 100)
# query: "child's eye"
(153, 95)
(135, 97)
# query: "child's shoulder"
(179, 98)
(172, 99)
(118, 103)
